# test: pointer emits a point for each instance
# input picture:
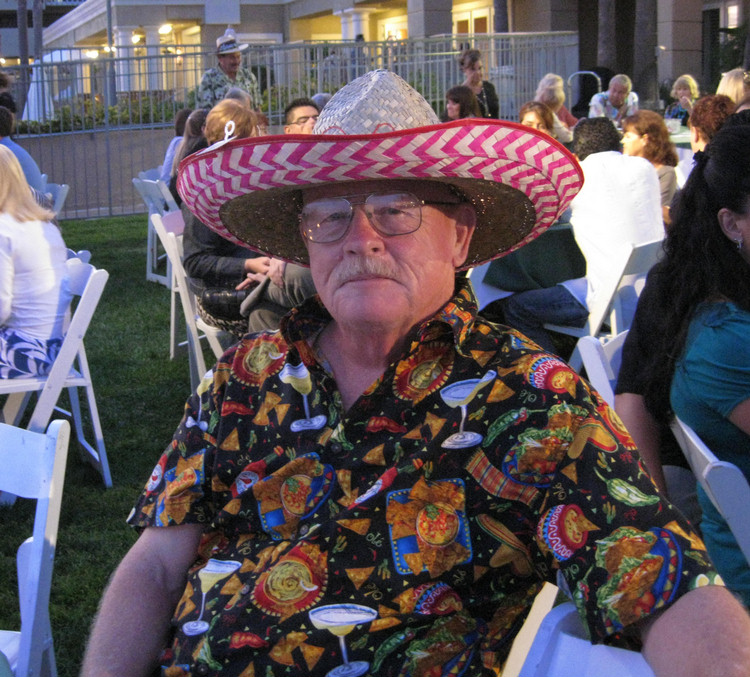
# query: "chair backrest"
(33, 466)
(484, 292)
(561, 649)
(618, 295)
(601, 358)
(169, 228)
(83, 254)
(87, 283)
(150, 174)
(155, 193)
(723, 482)
(59, 193)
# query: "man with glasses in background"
(300, 116)
(383, 485)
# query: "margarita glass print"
(340, 619)
(459, 395)
(299, 378)
(215, 571)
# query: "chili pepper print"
(626, 493)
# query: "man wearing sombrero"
(382, 486)
(229, 73)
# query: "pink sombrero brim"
(250, 190)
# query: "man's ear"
(728, 224)
(466, 221)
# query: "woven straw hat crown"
(378, 102)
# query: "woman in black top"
(471, 66)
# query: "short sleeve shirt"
(600, 106)
(419, 524)
(215, 83)
(712, 377)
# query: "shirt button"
(336, 447)
(201, 669)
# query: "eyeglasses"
(301, 121)
(328, 219)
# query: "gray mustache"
(353, 268)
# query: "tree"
(606, 54)
(38, 23)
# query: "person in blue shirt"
(28, 165)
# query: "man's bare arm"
(706, 633)
(131, 626)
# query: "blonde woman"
(684, 92)
(33, 275)
(551, 92)
(735, 84)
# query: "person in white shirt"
(34, 293)
(619, 204)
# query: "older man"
(229, 73)
(617, 102)
(382, 486)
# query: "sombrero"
(227, 43)
(378, 127)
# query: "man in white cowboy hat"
(229, 73)
(382, 486)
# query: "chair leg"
(97, 456)
(14, 407)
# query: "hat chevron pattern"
(518, 179)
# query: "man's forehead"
(423, 189)
(301, 111)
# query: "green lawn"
(140, 394)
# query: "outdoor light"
(165, 29)
(135, 38)
(92, 53)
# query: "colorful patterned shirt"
(215, 83)
(600, 107)
(417, 526)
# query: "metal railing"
(95, 122)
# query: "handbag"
(223, 302)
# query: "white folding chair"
(34, 467)
(601, 358)
(485, 293)
(43, 188)
(620, 291)
(169, 229)
(150, 174)
(83, 254)
(58, 193)
(70, 370)
(562, 649)
(723, 482)
(159, 200)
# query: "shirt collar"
(457, 316)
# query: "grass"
(140, 394)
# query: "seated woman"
(698, 363)
(460, 102)
(645, 135)
(551, 93)
(215, 266)
(537, 116)
(33, 275)
(684, 92)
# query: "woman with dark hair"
(460, 102)
(538, 116)
(470, 63)
(192, 141)
(646, 135)
(693, 321)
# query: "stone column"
(152, 67)
(679, 38)
(123, 43)
(429, 17)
